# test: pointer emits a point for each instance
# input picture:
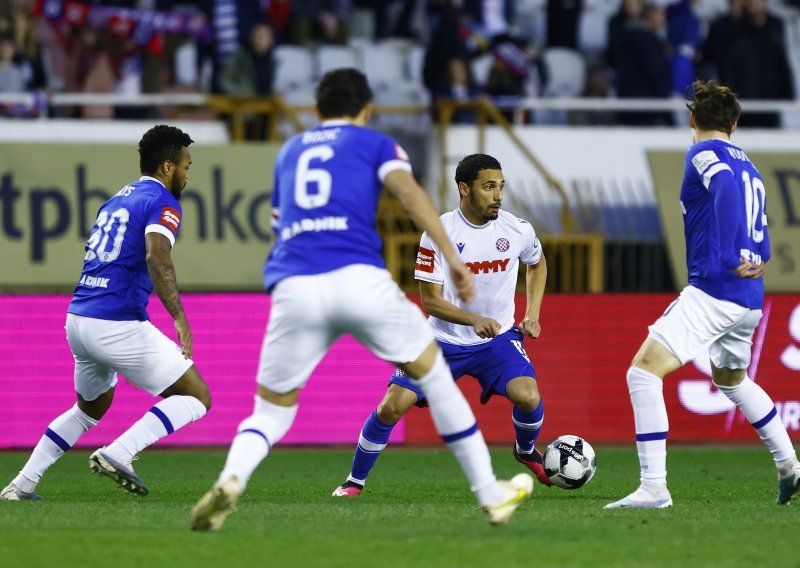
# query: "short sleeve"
(391, 156)
(429, 262)
(164, 217)
(707, 164)
(532, 251)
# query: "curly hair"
(159, 144)
(714, 106)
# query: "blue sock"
(373, 439)
(527, 425)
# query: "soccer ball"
(569, 462)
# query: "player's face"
(486, 194)
(180, 174)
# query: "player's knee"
(390, 412)
(204, 396)
(528, 402)
(523, 392)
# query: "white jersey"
(492, 251)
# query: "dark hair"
(159, 144)
(343, 92)
(469, 167)
(714, 107)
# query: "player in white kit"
(327, 277)
(478, 338)
(727, 245)
(128, 256)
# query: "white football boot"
(515, 491)
(646, 497)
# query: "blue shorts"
(493, 363)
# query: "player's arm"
(535, 282)
(413, 198)
(434, 304)
(165, 285)
(728, 210)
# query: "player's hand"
(486, 327)
(750, 270)
(463, 280)
(530, 327)
(184, 336)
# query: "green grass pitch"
(416, 511)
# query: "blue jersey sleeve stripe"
(391, 166)
(712, 171)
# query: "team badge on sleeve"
(170, 218)
(425, 260)
(702, 160)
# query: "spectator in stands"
(562, 22)
(598, 85)
(230, 22)
(319, 20)
(643, 66)
(451, 38)
(629, 13)
(683, 27)
(250, 72)
(719, 39)
(460, 87)
(755, 65)
(489, 18)
(13, 76)
(517, 71)
(384, 26)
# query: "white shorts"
(137, 349)
(696, 321)
(309, 313)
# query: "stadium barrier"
(581, 359)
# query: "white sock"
(255, 437)
(60, 436)
(456, 424)
(758, 408)
(652, 426)
(169, 415)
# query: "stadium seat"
(295, 69)
(415, 61)
(328, 57)
(593, 32)
(567, 72)
(384, 64)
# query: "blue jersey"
(115, 283)
(325, 199)
(724, 207)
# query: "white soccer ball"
(569, 462)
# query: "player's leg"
(527, 417)
(94, 385)
(186, 401)
(298, 336)
(375, 434)
(393, 328)
(502, 366)
(646, 389)
(730, 358)
(61, 434)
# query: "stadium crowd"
(452, 49)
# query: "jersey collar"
(335, 122)
(473, 225)
(150, 178)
